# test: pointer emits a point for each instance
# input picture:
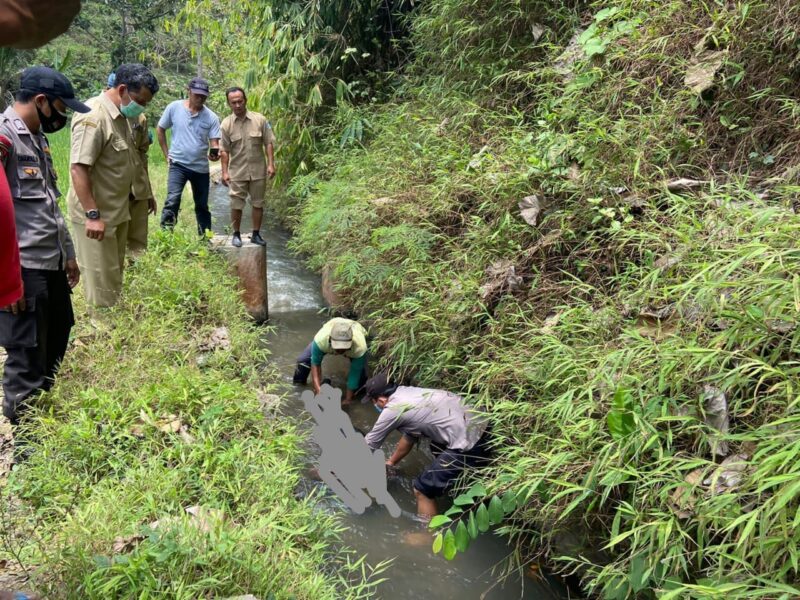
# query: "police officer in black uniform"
(35, 331)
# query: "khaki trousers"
(101, 263)
(137, 227)
(240, 190)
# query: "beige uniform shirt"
(245, 140)
(102, 139)
(141, 189)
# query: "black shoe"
(257, 239)
(237, 240)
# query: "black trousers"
(36, 339)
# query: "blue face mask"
(378, 408)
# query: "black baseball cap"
(44, 80)
(378, 385)
(198, 85)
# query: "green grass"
(413, 222)
(104, 468)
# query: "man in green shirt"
(338, 336)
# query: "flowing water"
(295, 309)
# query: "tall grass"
(148, 419)
(628, 306)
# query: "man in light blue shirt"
(194, 127)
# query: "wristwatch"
(93, 214)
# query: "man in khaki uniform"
(104, 163)
(143, 202)
(246, 137)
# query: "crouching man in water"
(458, 434)
(337, 336)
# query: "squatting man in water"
(340, 336)
(458, 434)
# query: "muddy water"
(416, 573)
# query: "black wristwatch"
(93, 214)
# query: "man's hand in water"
(33, 23)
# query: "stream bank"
(297, 310)
(153, 472)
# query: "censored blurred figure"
(35, 330)
(103, 167)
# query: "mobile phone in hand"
(214, 153)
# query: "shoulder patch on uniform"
(5, 147)
(20, 125)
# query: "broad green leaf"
(620, 419)
(476, 490)
(595, 47)
(463, 500)
(509, 502)
(636, 578)
(606, 13)
(449, 545)
(438, 521)
(437, 543)
(483, 518)
(587, 35)
(472, 526)
(495, 510)
(462, 537)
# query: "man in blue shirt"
(194, 127)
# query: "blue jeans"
(176, 181)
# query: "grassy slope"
(600, 393)
(102, 469)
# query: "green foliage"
(626, 302)
(467, 518)
(106, 34)
(300, 59)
